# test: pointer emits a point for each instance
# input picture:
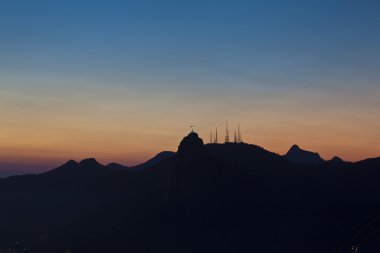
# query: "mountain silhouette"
(158, 158)
(191, 145)
(232, 197)
(151, 162)
(298, 155)
(116, 166)
(337, 159)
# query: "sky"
(123, 80)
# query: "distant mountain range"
(151, 162)
(301, 156)
(232, 197)
(298, 155)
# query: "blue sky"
(263, 41)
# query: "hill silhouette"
(298, 155)
(151, 162)
(232, 197)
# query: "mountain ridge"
(234, 190)
(298, 155)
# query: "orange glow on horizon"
(132, 149)
(129, 127)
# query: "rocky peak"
(298, 155)
(191, 144)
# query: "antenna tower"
(227, 134)
(240, 139)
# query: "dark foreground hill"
(230, 197)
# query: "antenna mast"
(227, 134)
(240, 139)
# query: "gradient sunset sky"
(123, 80)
